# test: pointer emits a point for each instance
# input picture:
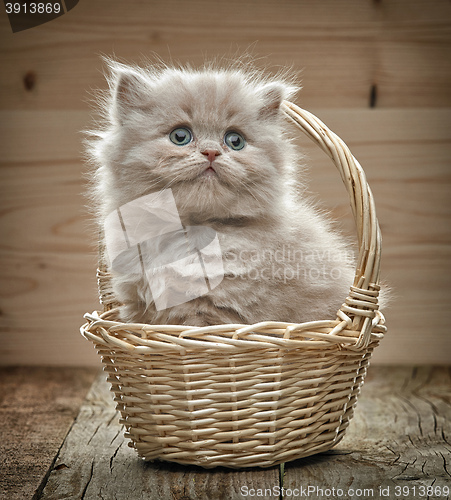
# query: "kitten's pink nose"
(211, 154)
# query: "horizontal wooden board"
(96, 462)
(48, 254)
(38, 406)
(43, 138)
(406, 156)
(343, 48)
(397, 438)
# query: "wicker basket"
(248, 395)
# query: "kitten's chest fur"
(247, 245)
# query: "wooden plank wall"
(378, 72)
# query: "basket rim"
(145, 338)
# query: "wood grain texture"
(399, 437)
(342, 47)
(406, 156)
(48, 255)
(398, 52)
(37, 408)
(95, 462)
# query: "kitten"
(211, 143)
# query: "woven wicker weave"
(240, 395)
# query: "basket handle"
(362, 302)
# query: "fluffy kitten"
(215, 138)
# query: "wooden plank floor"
(398, 445)
(38, 406)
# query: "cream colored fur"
(282, 259)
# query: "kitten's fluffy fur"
(252, 201)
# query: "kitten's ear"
(272, 95)
(130, 90)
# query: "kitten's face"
(212, 138)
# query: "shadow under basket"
(248, 395)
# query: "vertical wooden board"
(398, 438)
(95, 462)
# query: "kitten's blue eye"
(234, 140)
(181, 136)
